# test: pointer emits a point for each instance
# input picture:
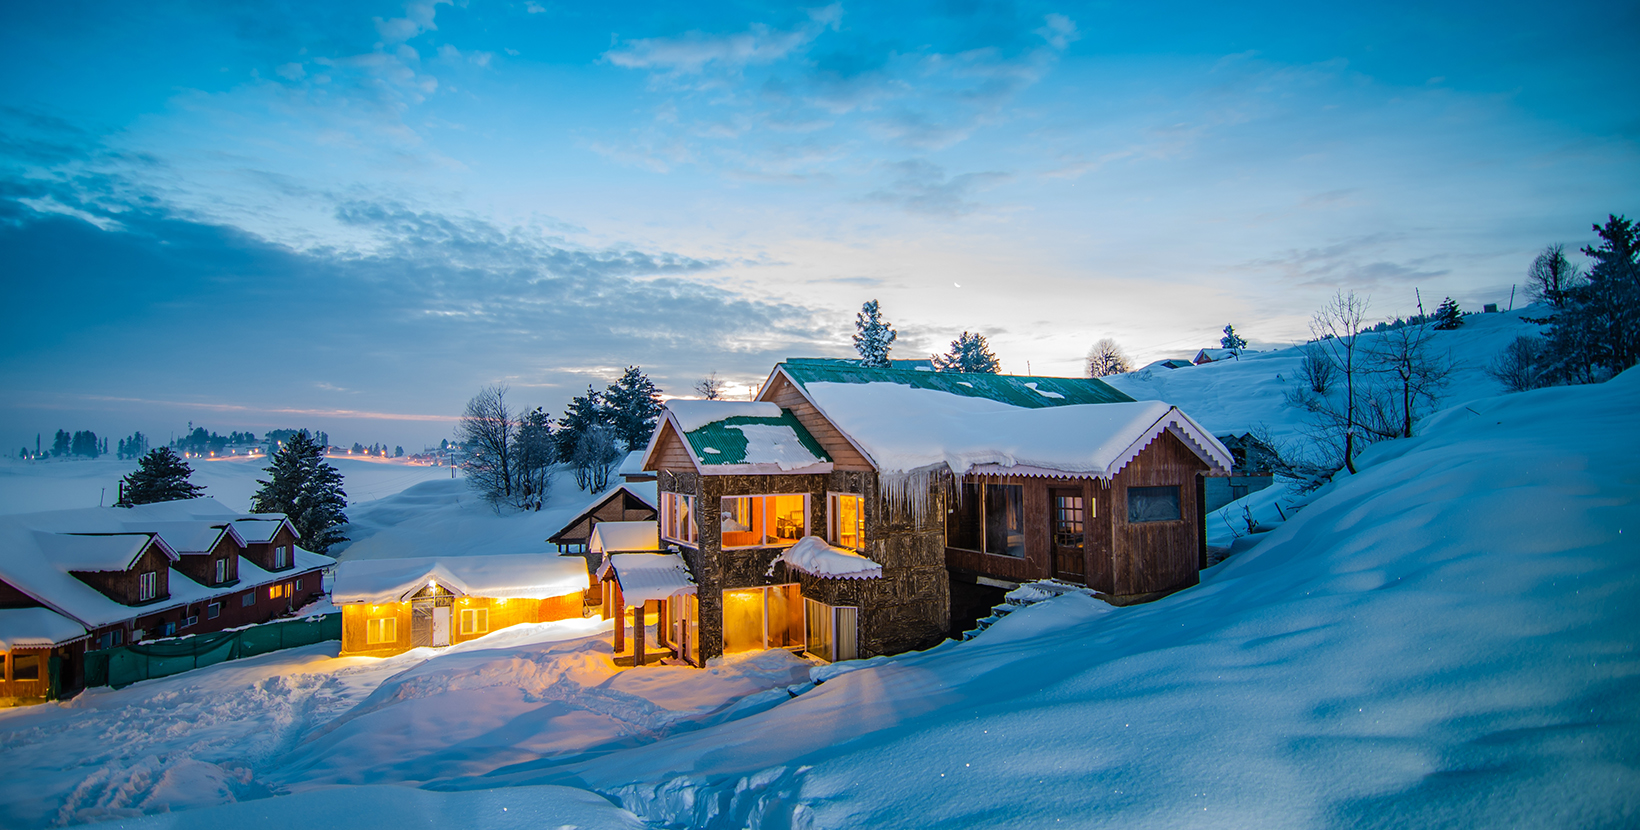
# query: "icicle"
(917, 492)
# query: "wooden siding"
(1153, 557)
(10, 597)
(504, 613)
(201, 567)
(24, 691)
(844, 456)
(262, 553)
(125, 587)
(671, 453)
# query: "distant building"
(1216, 355)
(1169, 363)
(94, 578)
(1250, 474)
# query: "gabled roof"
(1015, 390)
(92, 552)
(907, 421)
(260, 529)
(741, 437)
(647, 576)
(504, 576)
(644, 491)
(622, 537)
(191, 537)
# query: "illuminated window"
(846, 521)
(833, 631)
(147, 586)
(763, 521)
(382, 630)
(278, 591)
(989, 518)
(221, 571)
(758, 618)
(475, 620)
(678, 518)
(1153, 504)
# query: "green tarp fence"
(122, 666)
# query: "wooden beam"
(620, 620)
(639, 611)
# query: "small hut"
(655, 585)
(390, 606)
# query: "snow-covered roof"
(1215, 355)
(36, 628)
(608, 537)
(644, 491)
(262, 530)
(904, 429)
(631, 465)
(190, 537)
(813, 556)
(505, 576)
(1167, 363)
(742, 437)
(647, 576)
(94, 552)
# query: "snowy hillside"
(29, 487)
(1240, 395)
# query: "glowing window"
(475, 620)
(25, 667)
(763, 521)
(382, 630)
(678, 518)
(278, 591)
(846, 520)
(759, 618)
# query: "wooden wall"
(125, 586)
(10, 597)
(201, 567)
(1153, 557)
(843, 454)
(262, 553)
(504, 613)
(670, 451)
(26, 690)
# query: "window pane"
(962, 524)
(785, 617)
(1005, 519)
(1153, 504)
(848, 521)
(25, 667)
(818, 642)
(787, 519)
(739, 523)
(743, 620)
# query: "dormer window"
(221, 571)
(281, 556)
(147, 586)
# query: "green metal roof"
(1015, 390)
(718, 443)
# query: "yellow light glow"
(432, 583)
(500, 602)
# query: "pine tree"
(532, 458)
(161, 475)
(1232, 341)
(307, 489)
(1448, 316)
(873, 337)
(969, 353)
(61, 444)
(633, 405)
(583, 413)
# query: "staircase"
(1028, 594)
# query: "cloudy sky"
(351, 216)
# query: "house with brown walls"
(833, 514)
(94, 578)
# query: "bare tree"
(532, 459)
(595, 458)
(486, 430)
(1521, 366)
(1408, 379)
(1317, 369)
(1337, 327)
(1106, 359)
(1552, 276)
(710, 387)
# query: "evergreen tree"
(969, 353)
(583, 413)
(1600, 326)
(632, 406)
(133, 446)
(307, 489)
(62, 444)
(873, 337)
(85, 444)
(1232, 341)
(161, 475)
(1448, 316)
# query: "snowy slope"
(30, 487)
(1447, 639)
(446, 517)
(1240, 395)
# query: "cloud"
(418, 18)
(693, 52)
(924, 188)
(1351, 264)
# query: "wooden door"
(1067, 512)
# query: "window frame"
(147, 585)
(376, 628)
(671, 531)
(1178, 502)
(982, 498)
(33, 660)
(834, 517)
(213, 610)
(762, 532)
(281, 556)
(831, 615)
(474, 621)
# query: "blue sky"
(352, 216)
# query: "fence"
(122, 666)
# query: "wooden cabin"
(390, 606)
(632, 501)
(120, 575)
(907, 479)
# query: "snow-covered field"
(59, 484)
